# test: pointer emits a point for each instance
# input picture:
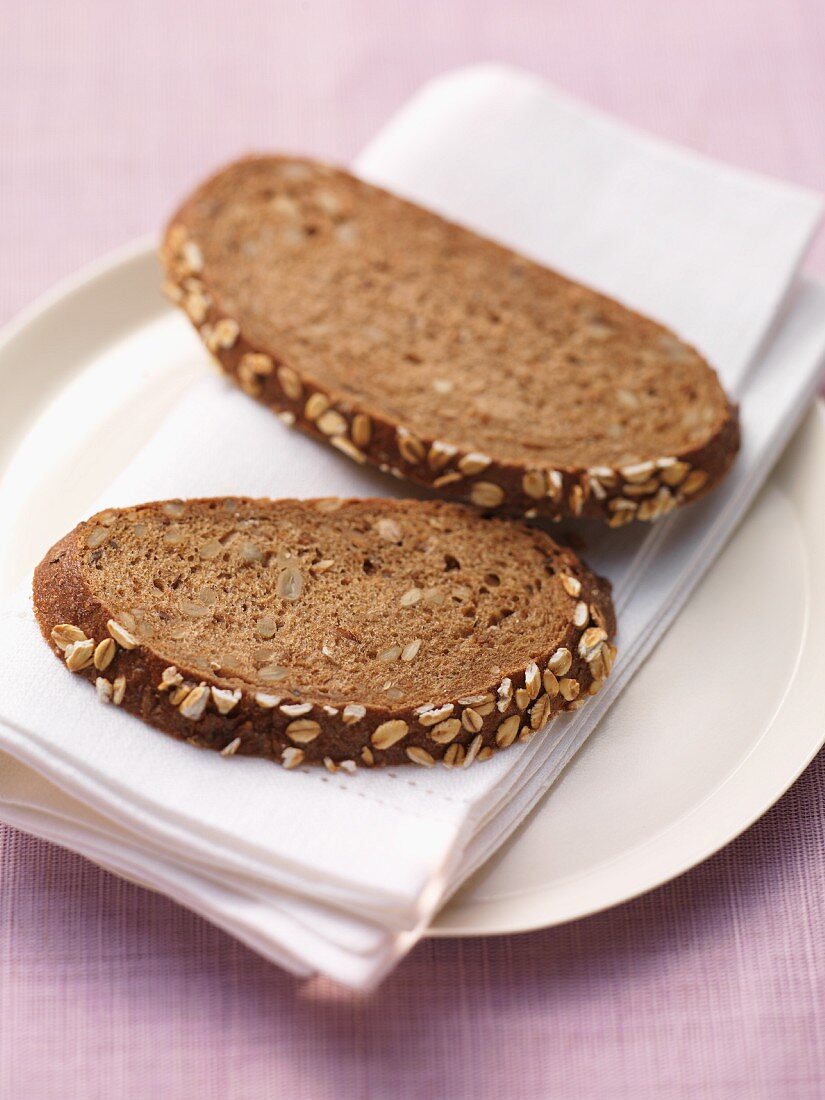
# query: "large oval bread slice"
(348, 632)
(440, 356)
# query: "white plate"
(85, 375)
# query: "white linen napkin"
(340, 874)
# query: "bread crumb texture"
(357, 632)
(413, 343)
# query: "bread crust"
(62, 596)
(615, 494)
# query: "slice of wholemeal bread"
(366, 631)
(438, 355)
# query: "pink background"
(713, 986)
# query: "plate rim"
(138, 249)
(142, 250)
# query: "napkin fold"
(341, 874)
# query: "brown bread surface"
(438, 355)
(367, 632)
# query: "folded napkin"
(341, 874)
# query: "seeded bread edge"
(61, 596)
(616, 495)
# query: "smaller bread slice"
(438, 355)
(343, 632)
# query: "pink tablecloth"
(713, 986)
